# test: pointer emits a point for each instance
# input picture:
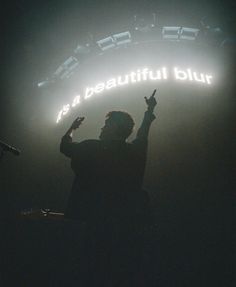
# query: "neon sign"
(140, 75)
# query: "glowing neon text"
(140, 75)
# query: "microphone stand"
(1, 154)
(6, 147)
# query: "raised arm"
(67, 147)
(149, 117)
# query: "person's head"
(118, 126)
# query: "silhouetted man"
(109, 171)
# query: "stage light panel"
(106, 43)
(171, 33)
(66, 68)
(188, 33)
(70, 63)
(122, 38)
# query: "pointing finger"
(153, 94)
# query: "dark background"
(190, 169)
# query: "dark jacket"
(108, 176)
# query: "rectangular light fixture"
(106, 43)
(171, 33)
(70, 63)
(188, 33)
(122, 38)
(68, 66)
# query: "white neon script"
(140, 75)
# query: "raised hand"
(151, 101)
(77, 122)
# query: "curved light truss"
(119, 40)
